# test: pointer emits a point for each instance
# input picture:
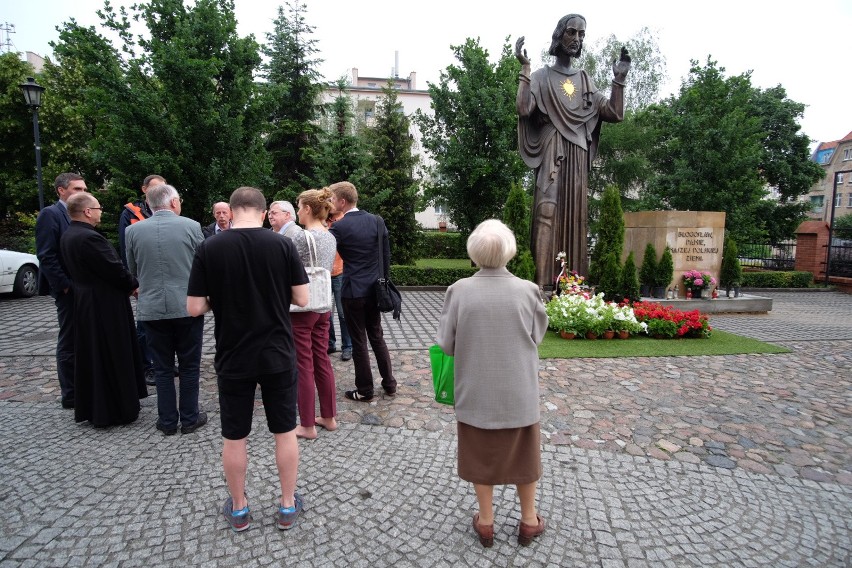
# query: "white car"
(18, 273)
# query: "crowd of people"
(178, 270)
(250, 277)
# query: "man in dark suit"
(222, 216)
(357, 235)
(52, 221)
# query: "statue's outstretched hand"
(520, 52)
(621, 66)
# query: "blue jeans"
(336, 285)
(143, 346)
(167, 338)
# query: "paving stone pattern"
(739, 460)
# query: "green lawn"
(719, 343)
(443, 263)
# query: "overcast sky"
(798, 45)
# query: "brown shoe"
(526, 533)
(484, 532)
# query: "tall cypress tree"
(389, 188)
(293, 96)
(342, 153)
(610, 232)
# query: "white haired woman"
(492, 323)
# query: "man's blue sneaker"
(287, 516)
(239, 520)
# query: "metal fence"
(773, 256)
(841, 260)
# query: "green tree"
(610, 232)
(629, 281)
(342, 153)
(609, 281)
(720, 143)
(731, 271)
(292, 96)
(18, 189)
(648, 271)
(843, 227)
(86, 100)
(179, 101)
(647, 67)
(665, 269)
(389, 188)
(472, 135)
(622, 149)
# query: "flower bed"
(582, 313)
(668, 322)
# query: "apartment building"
(836, 158)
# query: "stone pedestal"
(695, 237)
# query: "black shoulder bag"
(388, 297)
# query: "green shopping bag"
(443, 372)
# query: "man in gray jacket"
(160, 253)
(282, 219)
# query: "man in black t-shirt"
(249, 276)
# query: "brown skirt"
(510, 456)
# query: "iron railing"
(841, 260)
(773, 256)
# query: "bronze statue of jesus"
(560, 112)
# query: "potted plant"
(648, 271)
(629, 282)
(697, 281)
(660, 328)
(731, 272)
(664, 274)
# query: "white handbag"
(319, 282)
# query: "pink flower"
(699, 282)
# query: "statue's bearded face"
(572, 40)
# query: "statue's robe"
(559, 118)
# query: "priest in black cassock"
(108, 365)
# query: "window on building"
(847, 154)
(839, 179)
(838, 200)
(817, 203)
(849, 203)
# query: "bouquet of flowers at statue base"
(697, 280)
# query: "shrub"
(629, 281)
(435, 244)
(609, 281)
(779, 279)
(665, 269)
(648, 272)
(413, 276)
(523, 265)
(610, 237)
(731, 272)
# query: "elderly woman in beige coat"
(492, 323)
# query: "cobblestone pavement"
(742, 460)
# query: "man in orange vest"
(133, 213)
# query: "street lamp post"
(32, 94)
